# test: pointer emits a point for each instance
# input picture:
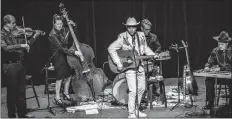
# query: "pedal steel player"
(219, 60)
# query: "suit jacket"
(124, 42)
(58, 46)
(153, 43)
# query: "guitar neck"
(144, 57)
(73, 36)
(188, 62)
(187, 56)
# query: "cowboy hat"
(223, 37)
(131, 21)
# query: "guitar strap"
(139, 46)
(138, 42)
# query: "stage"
(106, 110)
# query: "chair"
(219, 92)
(48, 78)
(30, 79)
(47, 81)
(222, 84)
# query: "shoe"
(132, 115)
(209, 106)
(28, 116)
(141, 114)
(59, 102)
(67, 97)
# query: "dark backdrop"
(99, 23)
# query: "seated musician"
(219, 60)
(127, 41)
(153, 43)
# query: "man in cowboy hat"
(127, 41)
(219, 60)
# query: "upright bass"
(80, 83)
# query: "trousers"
(16, 96)
(131, 81)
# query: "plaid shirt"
(12, 50)
(220, 58)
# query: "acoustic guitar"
(129, 62)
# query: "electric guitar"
(129, 62)
(189, 82)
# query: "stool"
(162, 92)
(28, 77)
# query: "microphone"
(133, 40)
(174, 47)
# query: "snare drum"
(120, 89)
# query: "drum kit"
(120, 88)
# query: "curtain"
(99, 23)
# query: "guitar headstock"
(184, 44)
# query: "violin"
(18, 31)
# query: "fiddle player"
(13, 50)
(126, 41)
(154, 44)
(219, 60)
(59, 42)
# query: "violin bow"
(24, 30)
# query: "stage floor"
(114, 111)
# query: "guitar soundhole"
(128, 62)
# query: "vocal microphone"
(133, 40)
(175, 47)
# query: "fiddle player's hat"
(131, 21)
(223, 37)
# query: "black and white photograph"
(116, 58)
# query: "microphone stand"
(136, 78)
(178, 73)
(178, 80)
